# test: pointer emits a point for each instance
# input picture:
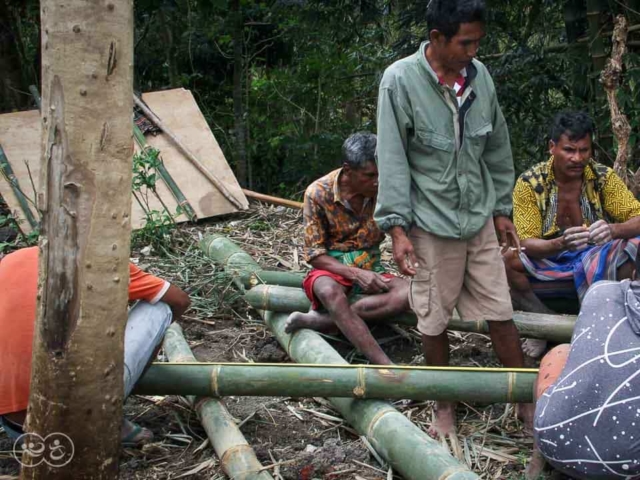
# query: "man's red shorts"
(313, 275)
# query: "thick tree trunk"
(76, 384)
(238, 104)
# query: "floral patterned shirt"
(535, 200)
(330, 223)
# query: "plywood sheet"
(20, 138)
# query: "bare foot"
(534, 347)
(312, 320)
(525, 413)
(443, 427)
(133, 435)
(535, 467)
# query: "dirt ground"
(294, 438)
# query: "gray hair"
(359, 149)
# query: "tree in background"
(283, 82)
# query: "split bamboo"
(17, 191)
(556, 328)
(237, 458)
(491, 385)
(166, 177)
(192, 158)
(408, 449)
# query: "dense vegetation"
(282, 82)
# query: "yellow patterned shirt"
(535, 200)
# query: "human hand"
(371, 282)
(575, 238)
(403, 252)
(506, 232)
(600, 233)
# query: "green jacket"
(427, 176)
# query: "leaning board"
(20, 137)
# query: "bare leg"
(436, 353)
(332, 296)
(370, 308)
(523, 298)
(506, 344)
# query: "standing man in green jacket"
(446, 177)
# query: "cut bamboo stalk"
(17, 191)
(231, 257)
(166, 177)
(272, 200)
(556, 328)
(192, 158)
(270, 277)
(237, 458)
(408, 449)
(491, 385)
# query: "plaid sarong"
(585, 267)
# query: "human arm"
(498, 158)
(393, 206)
(370, 282)
(622, 207)
(147, 287)
(178, 301)
(403, 252)
(527, 219)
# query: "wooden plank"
(21, 139)
(178, 109)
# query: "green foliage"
(159, 224)
(309, 71)
(21, 240)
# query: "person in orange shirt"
(160, 303)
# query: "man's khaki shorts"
(468, 275)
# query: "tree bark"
(611, 80)
(77, 370)
(238, 104)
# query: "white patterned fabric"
(587, 424)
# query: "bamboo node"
(511, 381)
(376, 419)
(215, 371)
(360, 389)
(225, 460)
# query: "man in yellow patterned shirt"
(576, 219)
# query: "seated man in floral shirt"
(576, 219)
(343, 245)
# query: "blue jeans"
(145, 330)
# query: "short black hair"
(447, 15)
(575, 125)
(359, 149)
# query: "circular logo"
(56, 449)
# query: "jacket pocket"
(420, 294)
(478, 137)
(431, 139)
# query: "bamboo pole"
(192, 158)
(557, 328)
(166, 177)
(272, 200)
(491, 385)
(270, 277)
(17, 191)
(408, 449)
(237, 458)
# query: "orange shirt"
(18, 292)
